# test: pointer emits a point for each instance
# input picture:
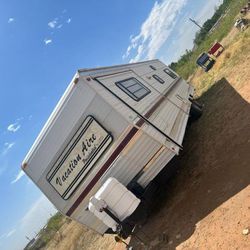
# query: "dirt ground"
(206, 205)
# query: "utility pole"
(27, 238)
(193, 21)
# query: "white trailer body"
(125, 122)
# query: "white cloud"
(69, 20)
(7, 235)
(10, 233)
(207, 11)
(130, 47)
(52, 24)
(18, 177)
(11, 20)
(14, 127)
(7, 147)
(47, 41)
(59, 26)
(155, 30)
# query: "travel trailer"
(114, 129)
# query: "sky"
(42, 45)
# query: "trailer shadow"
(213, 167)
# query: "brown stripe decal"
(151, 111)
(99, 174)
(156, 105)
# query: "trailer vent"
(152, 67)
(156, 77)
(170, 73)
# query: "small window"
(152, 67)
(170, 73)
(132, 87)
(156, 77)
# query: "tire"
(195, 111)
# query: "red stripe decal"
(156, 105)
(150, 112)
(99, 174)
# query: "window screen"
(132, 87)
(170, 73)
(156, 77)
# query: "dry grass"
(74, 236)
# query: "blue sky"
(42, 45)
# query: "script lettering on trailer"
(78, 158)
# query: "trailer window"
(152, 67)
(156, 77)
(170, 73)
(134, 88)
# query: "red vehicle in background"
(216, 49)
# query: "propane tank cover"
(115, 197)
(99, 204)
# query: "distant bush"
(47, 233)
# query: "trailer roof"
(84, 70)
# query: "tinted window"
(134, 88)
(170, 73)
(152, 67)
(156, 77)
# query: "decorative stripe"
(99, 174)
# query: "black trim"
(108, 212)
(86, 166)
(141, 116)
(152, 67)
(170, 73)
(157, 78)
(49, 176)
(132, 94)
(70, 149)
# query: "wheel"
(195, 111)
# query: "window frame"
(170, 73)
(158, 78)
(129, 93)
